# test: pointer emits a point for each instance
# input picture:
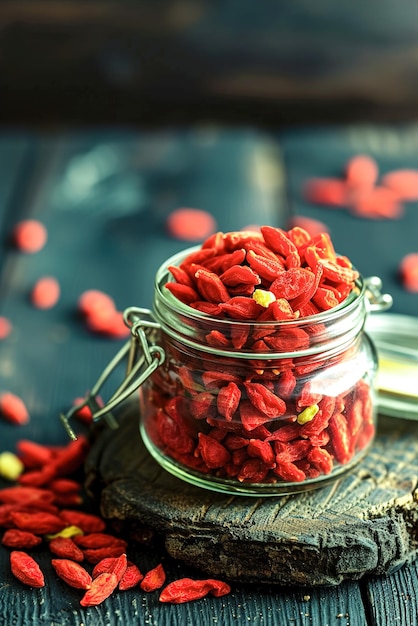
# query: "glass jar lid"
(395, 337)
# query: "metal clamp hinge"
(377, 301)
(143, 358)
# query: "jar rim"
(345, 306)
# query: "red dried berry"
(361, 171)
(45, 293)
(190, 224)
(13, 408)
(5, 327)
(72, 573)
(408, 272)
(26, 569)
(30, 236)
(153, 579)
(100, 589)
(403, 182)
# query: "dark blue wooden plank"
(392, 599)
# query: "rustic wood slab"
(363, 524)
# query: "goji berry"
(116, 565)
(20, 539)
(45, 292)
(213, 453)
(30, 235)
(408, 272)
(361, 171)
(33, 454)
(154, 579)
(327, 191)
(38, 522)
(65, 548)
(187, 589)
(99, 540)
(13, 408)
(403, 182)
(190, 224)
(100, 589)
(26, 569)
(131, 578)
(72, 573)
(5, 327)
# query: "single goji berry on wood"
(100, 589)
(154, 579)
(408, 272)
(190, 224)
(361, 171)
(131, 578)
(116, 565)
(5, 327)
(403, 182)
(30, 235)
(188, 589)
(26, 569)
(13, 408)
(45, 292)
(328, 191)
(72, 573)
(20, 539)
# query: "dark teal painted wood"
(50, 358)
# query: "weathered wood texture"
(103, 196)
(364, 523)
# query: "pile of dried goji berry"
(256, 420)
(45, 508)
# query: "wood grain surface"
(106, 230)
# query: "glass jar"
(255, 408)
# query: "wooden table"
(104, 196)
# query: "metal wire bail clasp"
(143, 358)
(377, 301)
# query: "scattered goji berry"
(403, 182)
(20, 539)
(30, 235)
(154, 579)
(72, 573)
(408, 272)
(131, 578)
(115, 565)
(65, 548)
(188, 589)
(45, 292)
(100, 589)
(26, 569)
(13, 408)
(361, 171)
(5, 327)
(190, 224)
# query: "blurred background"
(182, 61)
